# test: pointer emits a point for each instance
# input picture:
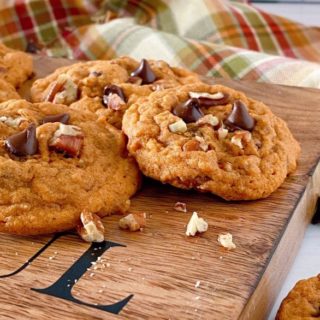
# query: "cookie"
(56, 163)
(302, 302)
(7, 91)
(108, 87)
(15, 66)
(211, 138)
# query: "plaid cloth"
(231, 39)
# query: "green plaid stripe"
(217, 38)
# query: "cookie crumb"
(225, 240)
(133, 221)
(196, 224)
(180, 206)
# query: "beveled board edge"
(289, 242)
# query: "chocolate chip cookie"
(213, 139)
(56, 163)
(7, 91)
(15, 66)
(302, 302)
(108, 87)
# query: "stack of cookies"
(65, 162)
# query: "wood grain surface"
(166, 274)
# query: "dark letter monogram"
(63, 286)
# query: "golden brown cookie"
(108, 87)
(15, 66)
(302, 302)
(211, 138)
(7, 91)
(56, 163)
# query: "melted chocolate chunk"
(144, 72)
(189, 111)
(24, 143)
(207, 102)
(62, 117)
(112, 89)
(239, 118)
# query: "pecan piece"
(91, 228)
(133, 222)
(67, 139)
(63, 90)
(195, 225)
(241, 137)
(226, 241)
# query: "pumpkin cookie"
(211, 138)
(7, 91)
(108, 87)
(302, 302)
(15, 66)
(56, 163)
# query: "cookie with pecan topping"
(108, 87)
(15, 66)
(302, 302)
(56, 163)
(213, 139)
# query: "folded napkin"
(230, 39)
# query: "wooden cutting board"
(160, 273)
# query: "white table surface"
(306, 265)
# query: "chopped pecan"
(91, 228)
(195, 225)
(178, 127)
(222, 133)
(208, 119)
(241, 137)
(115, 102)
(133, 222)
(226, 241)
(63, 90)
(12, 122)
(67, 139)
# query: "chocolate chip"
(62, 117)
(112, 89)
(96, 73)
(32, 47)
(189, 111)
(144, 72)
(207, 102)
(239, 118)
(24, 143)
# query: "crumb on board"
(180, 206)
(226, 241)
